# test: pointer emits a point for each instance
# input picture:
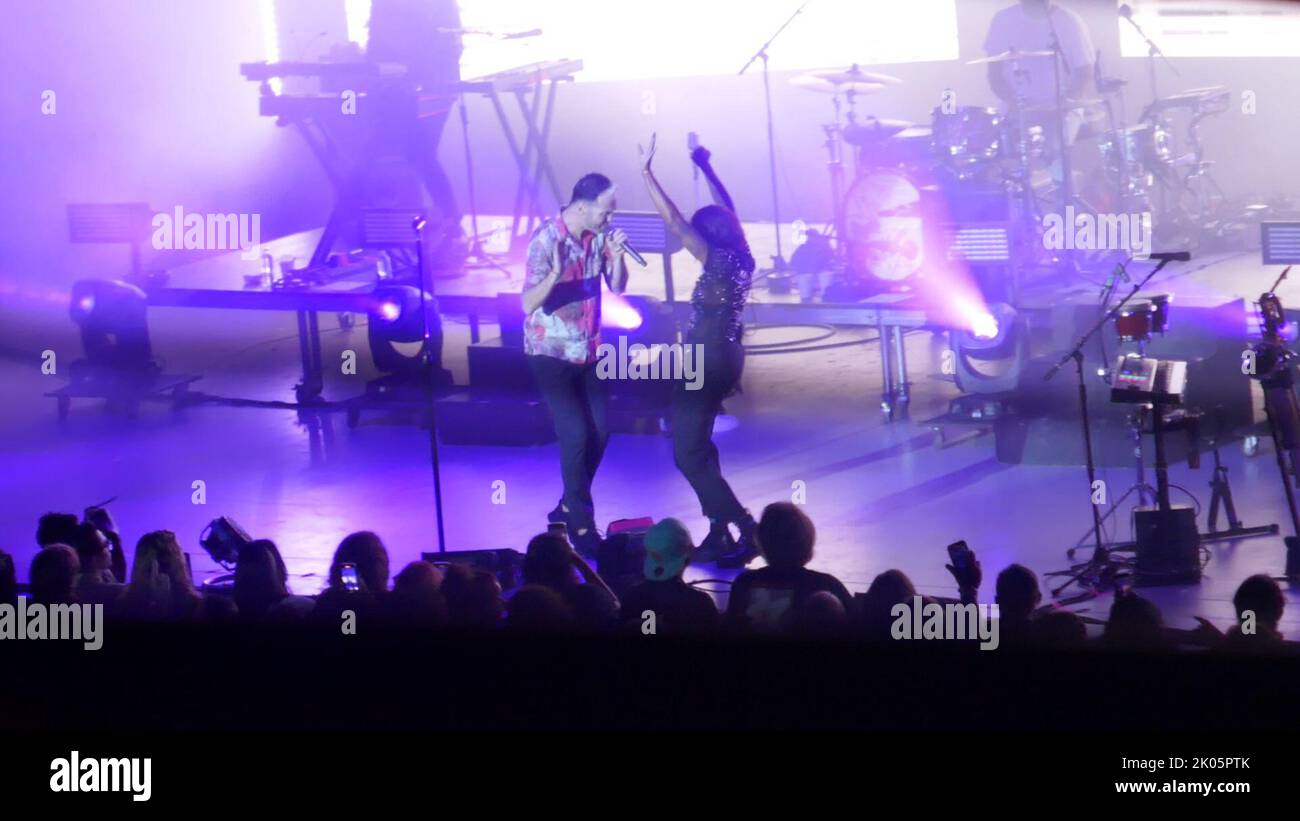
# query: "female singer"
(714, 237)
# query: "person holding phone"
(965, 569)
(549, 561)
(714, 236)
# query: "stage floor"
(883, 495)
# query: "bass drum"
(883, 237)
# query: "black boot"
(587, 543)
(715, 545)
(746, 548)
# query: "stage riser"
(494, 367)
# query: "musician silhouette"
(424, 36)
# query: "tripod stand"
(1136, 422)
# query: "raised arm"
(700, 156)
(676, 223)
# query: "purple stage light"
(984, 326)
(617, 312)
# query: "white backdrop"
(649, 39)
(1214, 28)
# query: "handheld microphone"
(692, 143)
(1118, 273)
(633, 253)
(1170, 256)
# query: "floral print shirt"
(567, 325)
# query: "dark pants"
(422, 150)
(577, 402)
(693, 414)
(399, 132)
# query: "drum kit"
(1015, 157)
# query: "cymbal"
(1009, 56)
(874, 130)
(824, 86)
(854, 74)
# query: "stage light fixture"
(222, 539)
(989, 332)
(985, 326)
(989, 356)
(396, 335)
(642, 319)
(395, 320)
(620, 314)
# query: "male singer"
(567, 258)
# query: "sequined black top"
(719, 297)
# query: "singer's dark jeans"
(694, 412)
(577, 401)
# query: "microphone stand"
(778, 261)
(1100, 565)
(1153, 51)
(418, 224)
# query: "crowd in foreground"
(82, 560)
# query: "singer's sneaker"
(587, 543)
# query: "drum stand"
(1067, 181)
(1118, 136)
(835, 166)
(1023, 201)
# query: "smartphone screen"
(349, 574)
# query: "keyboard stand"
(532, 158)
